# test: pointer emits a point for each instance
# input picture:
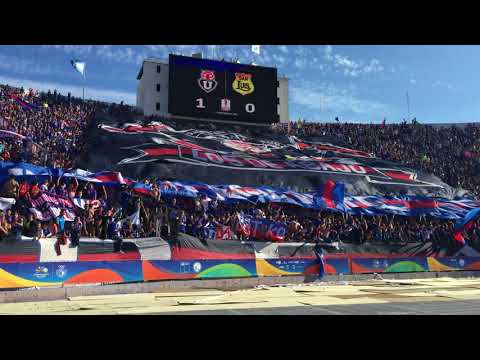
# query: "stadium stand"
(50, 130)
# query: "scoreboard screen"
(221, 90)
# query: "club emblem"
(243, 83)
(197, 267)
(61, 271)
(207, 81)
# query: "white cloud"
(107, 52)
(413, 81)
(373, 66)
(90, 93)
(442, 84)
(25, 66)
(349, 66)
(300, 63)
(72, 49)
(118, 54)
(302, 50)
(157, 47)
(344, 61)
(328, 52)
(158, 50)
(328, 97)
(186, 49)
(316, 64)
(283, 49)
(279, 60)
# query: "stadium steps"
(153, 249)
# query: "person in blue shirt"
(182, 222)
(76, 231)
(61, 222)
(113, 232)
(320, 259)
(124, 199)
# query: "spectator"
(4, 226)
(76, 231)
(10, 188)
(31, 228)
(114, 229)
(17, 227)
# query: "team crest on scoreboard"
(243, 83)
(207, 81)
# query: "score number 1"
(200, 103)
(249, 108)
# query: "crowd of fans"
(110, 213)
(52, 135)
(450, 152)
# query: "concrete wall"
(283, 109)
(147, 94)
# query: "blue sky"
(356, 83)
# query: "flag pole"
(408, 106)
(83, 88)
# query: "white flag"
(256, 49)
(79, 66)
(134, 218)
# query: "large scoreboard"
(211, 89)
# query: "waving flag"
(24, 104)
(330, 195)
(169, 188)
(256, 49)
(47, 206)
(141, 188)
(79, 66)
(111, 178)
(134, 218)
(465, 224)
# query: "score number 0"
(249, 108)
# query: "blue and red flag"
(263, 229)
(141, 188)
(111, 178)
(465, 223)
(25, 105)
(330, 195)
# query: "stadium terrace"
(172, 180)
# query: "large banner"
(53, 274)
(454, 264)
(329, 195)
(211, 156)
(198, 269)
(261, 229)
(388, 265)
(300, 266)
